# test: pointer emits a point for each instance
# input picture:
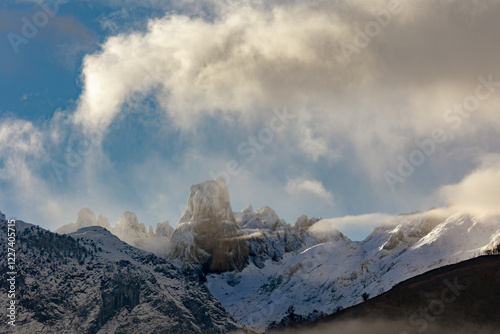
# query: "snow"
(335, 273)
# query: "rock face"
(128, 228)
(207, 235)
(268, 236)
(164, 230)
(91, 282)
(85, 218)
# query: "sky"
(326, 108)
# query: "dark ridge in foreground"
(459, 298)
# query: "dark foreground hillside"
(460, 298)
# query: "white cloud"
(30, 189)
(311, 187)
(19, 138)
(255, 56)
(371, 220)
(250, 57)
(246, 59)
(21, 152)
(317, 146)
(478, 192)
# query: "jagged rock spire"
(207, 234)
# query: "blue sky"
(122, 105)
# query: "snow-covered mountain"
(260, 267)
(467, 292)
(92, 282)
(335, 272)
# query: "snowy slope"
(92, 282)
(335, 274)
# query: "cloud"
(235, 64)
(479, 191)
(369, 325)
(30, 188)
(317, 146)
(253, 57)
(371, 220)
(312, 187)
(215, 75)
(19, 138)
(22, 149)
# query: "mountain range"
(251, 264)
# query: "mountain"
(459, 298)
(336, 272)
(260, 267)
(207, 236)
(92, 282)
(128, 229)
(85, 218)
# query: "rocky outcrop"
(129, 229)
(268, 236)
(207, 236)
(85, 218)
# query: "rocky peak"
(248, 209)
(164, 230)
(85, 218)
(128, 220)
(208, 200)
(207, 234)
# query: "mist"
(386, 327)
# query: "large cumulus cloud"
(233, 63)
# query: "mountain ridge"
(311, 266)
(92, 282)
